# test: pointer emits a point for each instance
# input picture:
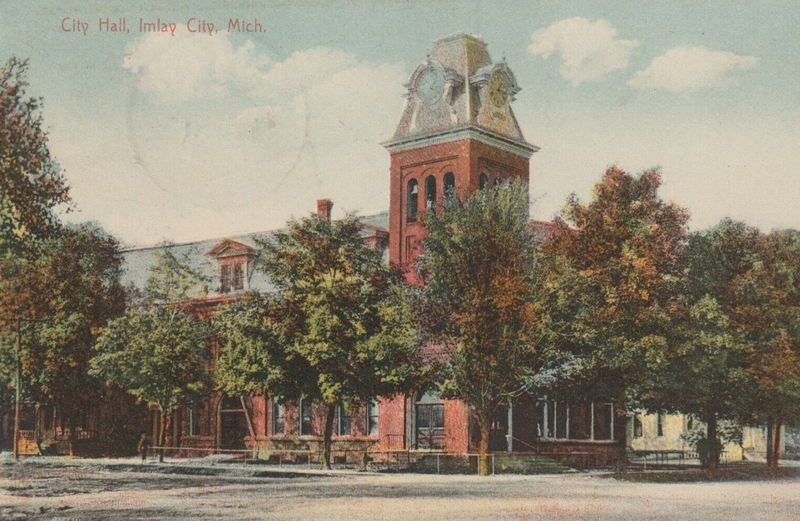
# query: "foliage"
(612, 274)
(478, 266)
(729, 432)
(61, 297)
(158, 350)
(256, 353)
(173, 279)
(155, 353)
(31, 184)
(338, 330)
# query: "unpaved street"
(75, 490)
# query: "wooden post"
(17, 390)
(247, 417)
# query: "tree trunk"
(776, 445)
(770, 443)
(325, 460)
(162, 431)
(713, 445)
(484, 425)
(72, 437)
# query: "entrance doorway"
(429, 422)
(232, 423)
(498, 430)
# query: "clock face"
(430, 85)
(498, 89)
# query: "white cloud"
(309, 126)
(691, 69)
(189, 65)
(590, 50)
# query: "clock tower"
(457, 134)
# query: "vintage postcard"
(351, 259)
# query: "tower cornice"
(489, 137)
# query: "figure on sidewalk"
(144, 446)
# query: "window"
(194, 424)
(484, 182)
(411, 201)
(689, 422)
(277, 416)
(659, 424)
(238, 276)
(225, 278)
(430, 192)
(449, 185)
(342, 421)
(372, 418)
(305, 418)
(231, 277)
(603, 421)
(637, 426)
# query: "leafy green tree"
(257, 352)
(703, 373)
(158, 350)
(31, 184)
(612, 274)
(478, 268)
(338, 330)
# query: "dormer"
(234, 263)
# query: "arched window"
(449, 185)
(484, 181)
(411, 201)
(430, 192)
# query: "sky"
(182, 136)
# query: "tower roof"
(458, 88)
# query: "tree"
(611, 283)
(257, 352)
(767, 309)
(345, 333)
(703, 373)
(59, 298)
(478, 267)
(31, 184)
(158, 350)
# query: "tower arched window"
(411, 201)
(484, 182)
(449, 185)
(430, 192)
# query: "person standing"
(144, 446)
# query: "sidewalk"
(216, 465)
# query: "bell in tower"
(457, 134)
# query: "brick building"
(457, 134)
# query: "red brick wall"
(466, 159)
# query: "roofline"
(224, 237)
(484, 135)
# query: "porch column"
(591, 420)
(510, 435)
(611, 409)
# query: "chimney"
(324, 207)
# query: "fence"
(391, 460)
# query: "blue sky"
(192, 136)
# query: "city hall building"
(457, 134)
